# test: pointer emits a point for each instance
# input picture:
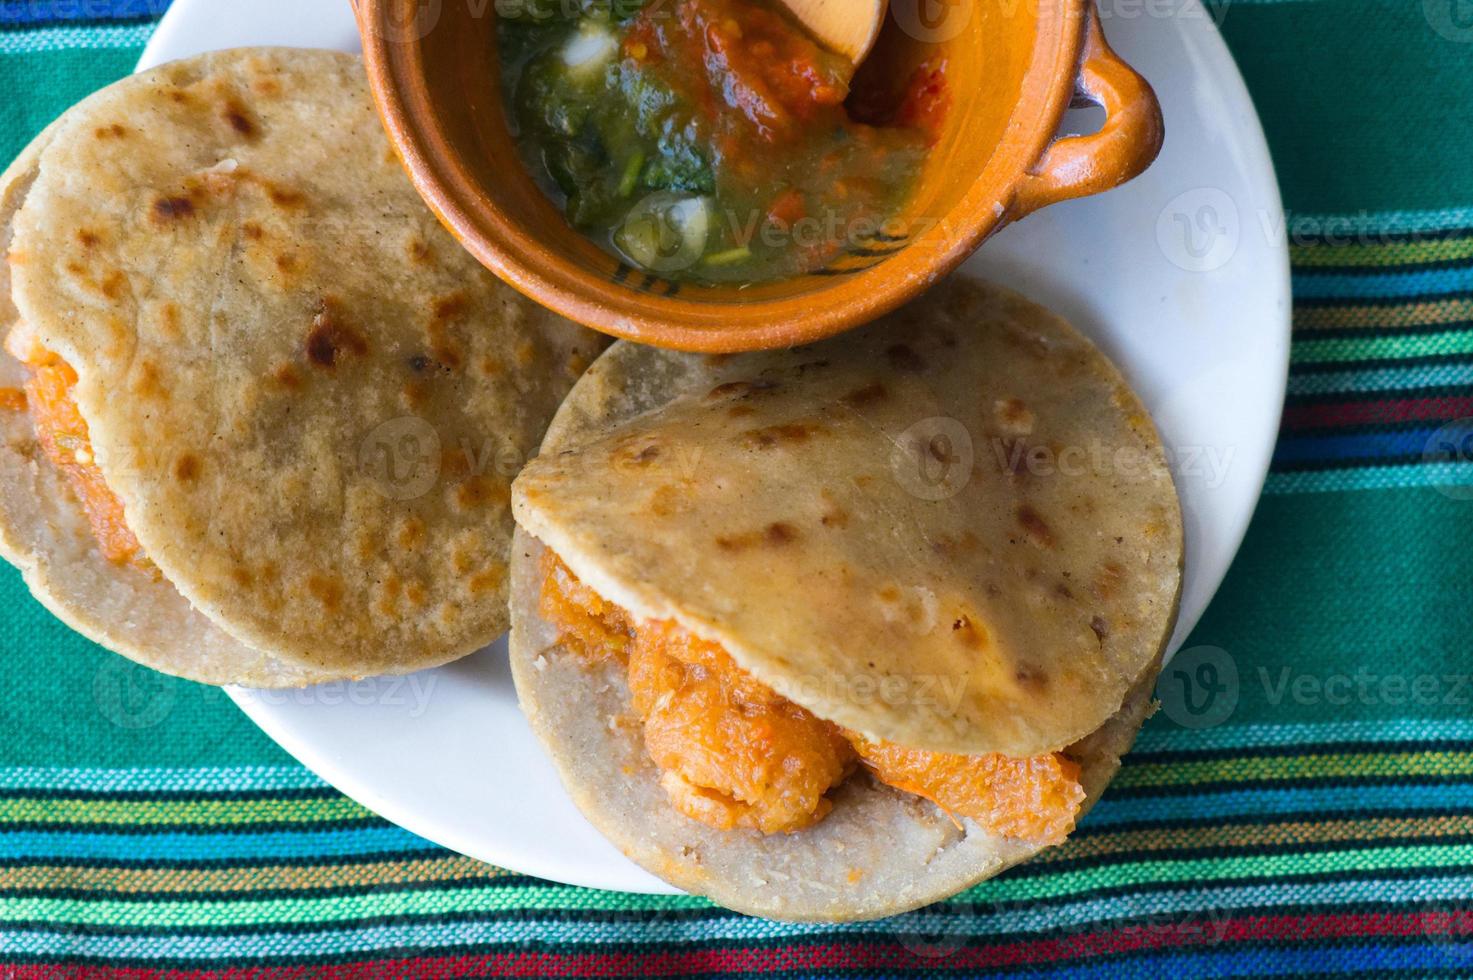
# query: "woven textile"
(1304, 805)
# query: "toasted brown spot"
(741, 411)
(833, 515)
(1034, 525)
(115, 131)
(12, 399)
(867, 395)
(664, 501)
(963, 544)
(332, 336)
(114, 284)
(147, 382)
(242, 576)
(87, 238)
(740, 389)
(286, 263)
(487, 580)
(902, 358)
(283, 197)
(479, 491)
(235, 116)
(420, 251)
(775, 534)
(837, 517)
(166, 209)
(171, 325)
(178, 96)
(411, 533)
(286, 375)
(490, 366)
(253, 231)
(326, 589)
(267, 86)
(525, 353)
(451, 307)
(187, 468)
(781, 533)
(415, 593)
(1013, 412)
(1100, 627)
(789, 433)
(969, 633)
(1029, 675)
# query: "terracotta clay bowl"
(1012, 66)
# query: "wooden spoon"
(846, 27)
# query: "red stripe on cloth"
(1381, 410)
(1172, 931)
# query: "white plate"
(1182, 277)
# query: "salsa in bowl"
(708, 140)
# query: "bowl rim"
(397, 78)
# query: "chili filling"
(734, 753)
(62, 434)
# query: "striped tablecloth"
(1304, 804)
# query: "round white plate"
(1182, 276)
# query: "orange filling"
(734, 753)
(62, 433)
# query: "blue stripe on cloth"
(1361, 446)
(1423, 285)
(155, 779)
(36, 13)
(235, 845)
(1197, 804)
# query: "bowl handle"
(1125, 145)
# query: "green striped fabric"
(1302, 805)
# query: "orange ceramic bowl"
(1012, 68)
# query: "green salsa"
(706, 140)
